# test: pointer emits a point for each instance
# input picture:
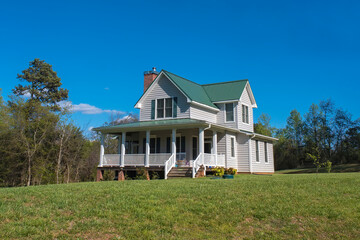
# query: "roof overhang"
(251, 95)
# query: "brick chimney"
(149, 77)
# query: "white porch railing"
(197, 164)
(134, 159)
(169, 164)
(158, 159)
(210, 160)
(111, 160)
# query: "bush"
(155, 175)
(141, 173)
(218, 171)
(230, 171)
(327, 166)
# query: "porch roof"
(154, 124)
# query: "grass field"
(282, 206)
(335, 169)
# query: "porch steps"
(180, 172)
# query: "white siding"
(243, 153)
(245, 99)
(201, 113)
(221, 143)
(164, 89)
(220, 116)
(261, 166)
(231, 162)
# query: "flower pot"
(226, 176)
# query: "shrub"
(141, 173)
(327, 166)
(109, 175)
(155, 175)
(230, 171)
(218, 171)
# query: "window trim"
(242, 112)
(164, 110)
(225, 118)
(232, 137)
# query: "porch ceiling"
(153, 125)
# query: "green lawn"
(335, 169)
(282, 206)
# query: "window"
(164, 108)
(160, 108)
(232, 147)
(229, 109)
(168, 107)
(257, 151)
(245, 114)
(154, 145)
(266, 152)
(168, 145)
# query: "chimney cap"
(153, 71)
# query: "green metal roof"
(225, 91)
(209, 93)
(150, 124)
(192, 90)
(206, 94)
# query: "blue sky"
(293, 52)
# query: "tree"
(326, 131)
(295, 134)
(44, 85)
(263, 125)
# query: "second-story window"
(164, 108)
(229, 112)
(245, 114)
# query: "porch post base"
(121, 176)
(99, 176)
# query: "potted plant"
(229, 173)
(218, 172)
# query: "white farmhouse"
(186, 129)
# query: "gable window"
(257, 150)
(166, 107)
(266, 152)
(160, 108)
(229, 109)
(245, 114)
(232, 145)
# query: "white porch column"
(214, 146)
(147, 149)
(201, 141)
(173, 142)
(122, 152)
(101, 150)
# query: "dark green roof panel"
(225, 91)
(193, 90)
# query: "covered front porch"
(187, 143)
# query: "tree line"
(324, 135)
(39, 144)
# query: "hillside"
(314, 206)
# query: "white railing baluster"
(169, 164)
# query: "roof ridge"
(181, 77)
(225, 82)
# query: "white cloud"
(85, 108)
(106, 88)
